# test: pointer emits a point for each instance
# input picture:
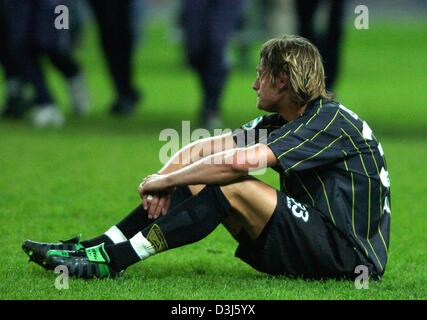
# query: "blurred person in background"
(329, 42)
(33, 36)
(119, 23)
(208, 26)
(15, 104)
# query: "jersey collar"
(313, 106)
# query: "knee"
(195, 189)
(236, 189)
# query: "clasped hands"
(155, 191)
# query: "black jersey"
(330, 160)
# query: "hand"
(155, 194)
(155, 183)
(156, 204)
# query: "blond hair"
(300, 60)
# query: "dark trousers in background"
(32, 34)
(329, 43)
(208, 26)
(118, 32)
(6, 59)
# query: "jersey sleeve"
(313, 143)
(256, 130)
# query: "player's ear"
(283, 82)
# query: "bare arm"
(157, 203)
(198, 150)
(219, 168)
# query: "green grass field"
(84, 177)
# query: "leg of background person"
(15, 103)
(21, 19)
(332, 41)
(64, 62)
(46, 40)
(37, 78)
(78, 90)
(118, 42)
(46, 112)
(193, 21)
(306, 11)
(222, 21)
(77, 11)
(121, 58)
(5, 61)
(57, 45)
(104, 17)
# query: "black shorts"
(299, 242)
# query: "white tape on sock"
(115, 235)
(142, 246)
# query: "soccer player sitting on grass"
(331, 214)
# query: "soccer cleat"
(37, 251)
(84, 263)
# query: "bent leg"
(134, 222)
(253, 203)
(248, 203)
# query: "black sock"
(97, 240)
(187, 223)
(138, 219)
(121, 255)
(134, 221)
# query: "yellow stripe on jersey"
(369, 195)
(281, 137)
(326, 196)
(299, 127)
(312, 138)
(378, 172)
(352, 208)
(317, 113)
(306, 190)
(314, 155)
(318, 110)
(373, 250)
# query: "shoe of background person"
(37, 251)
(79, 95)
(125, 105)
(17, 102)
(211, 120)
(47, 115)
(84, 263)
(15, 108)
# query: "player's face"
(269, 95)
